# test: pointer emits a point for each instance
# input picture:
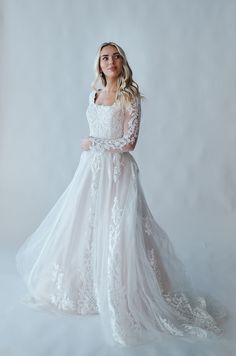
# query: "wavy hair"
(127, 88)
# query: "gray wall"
(183, 57)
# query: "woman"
(99, 250)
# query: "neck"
(111, 85)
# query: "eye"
(117, 56)
(104, 58)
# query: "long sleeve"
(131, 130)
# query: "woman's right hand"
(85, 144)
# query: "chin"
(113, 75)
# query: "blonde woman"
(115, 74)
(99, 250)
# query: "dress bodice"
(104, 121)
(113, 127)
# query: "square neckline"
(95, 98)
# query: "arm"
(131, 130)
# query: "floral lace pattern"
(122, 320)
(99, 250)
(107, 121)
(60, 298)
(117, 164)
(82, 300)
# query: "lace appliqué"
(129, 137)
(123, 322)
(83, 300)
(155, 267)
(95, 168)
(147, 226)
(168, 326)
(87, 300)
(60, 299)
(193, 317)
(117, 163)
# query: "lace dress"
(100, 251)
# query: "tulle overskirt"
(100, 251)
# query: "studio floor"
(25, 331)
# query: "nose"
(111, 60)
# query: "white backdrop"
(183, 56)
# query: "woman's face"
(111, 62)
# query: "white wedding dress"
(100, 251)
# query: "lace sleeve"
(131, 130)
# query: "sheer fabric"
(100, 251)
(130, 123)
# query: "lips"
(111, 68)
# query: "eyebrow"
(103, 55)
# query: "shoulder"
(134, 104)
(92, 96)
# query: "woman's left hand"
(85, 144)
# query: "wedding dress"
(100, 251)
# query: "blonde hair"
(127, 88)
